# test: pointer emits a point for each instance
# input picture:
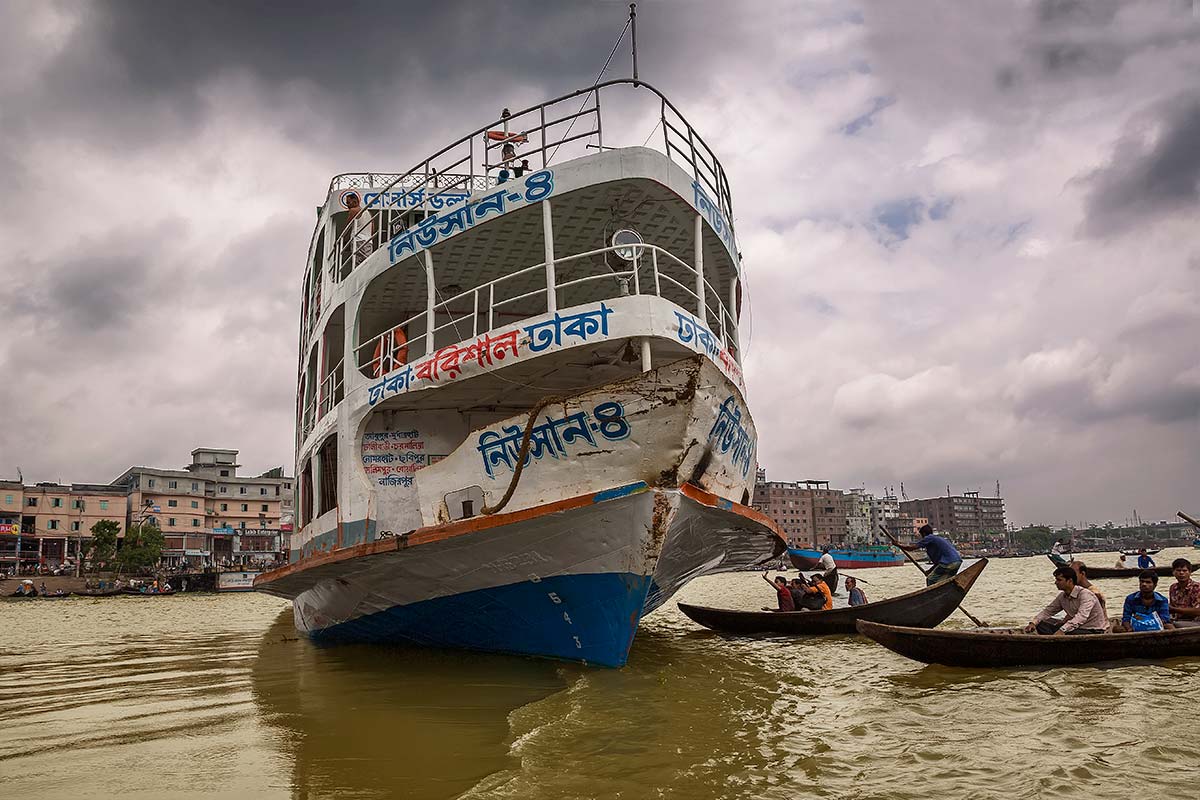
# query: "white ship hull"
(567, 578)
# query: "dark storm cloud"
(100, 289)
(1149, 175)
(136, 72)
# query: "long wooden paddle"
(914, 562)
(1186, 518)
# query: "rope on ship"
(516, 478)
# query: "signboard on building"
(13, 528)
(235, 581)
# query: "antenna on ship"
(633, 38)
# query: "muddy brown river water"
(215, 696)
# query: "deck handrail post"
(548, 235)
(430, 299)
(700, 268)
(732, 311)
(654, 266)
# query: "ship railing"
(392, 181)
(330, 391)
(540, 133)
(652, 271)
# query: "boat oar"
(909, 556)
(1186, 518)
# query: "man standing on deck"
(942, 554)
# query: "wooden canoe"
(924, 608)
(1002, 649)
(1095, 573)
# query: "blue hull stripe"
(594, 619)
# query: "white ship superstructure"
(521, 420)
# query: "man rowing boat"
(942, 554)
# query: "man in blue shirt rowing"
(942, 554)
(1144, 560)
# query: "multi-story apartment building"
(967, 516)
(904, 527)
(208, 513)
(45, 524)
(808, 513)
(883, 509)
(858, 504)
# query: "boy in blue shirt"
(1144, 605)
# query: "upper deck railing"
(538, 134)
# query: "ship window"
(306, 494)
(327, 462)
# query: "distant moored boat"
(849, 558)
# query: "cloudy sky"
(970, 229)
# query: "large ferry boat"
(521, 419)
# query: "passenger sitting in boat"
(1082, 577)
(1185, 596)
(1144, 560)
(797, 590)
(818, 591)
(1146, 609)
(1082, 610)
(782, 593)
(942, 554)
(1121, 562)
(857, 597)
(1056, 553)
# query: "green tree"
(142, 548)
(1035, 537)
(104, 541)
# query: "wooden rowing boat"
(924, 608)
(1005, 649)
(1095, 573)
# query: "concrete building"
(209, 514)
(968, 517)
(858, 504)
(809, 513)
(883, 509)
(45, 524)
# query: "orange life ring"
(398, 352)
